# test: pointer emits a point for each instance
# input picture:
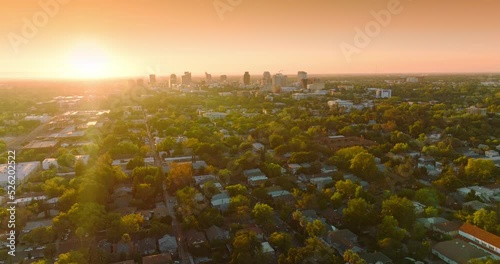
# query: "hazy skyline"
(119, 38)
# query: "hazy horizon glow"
(119, 38)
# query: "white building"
(215, 115)
(383, 93)
(480, 237)
(49, 162)
(22, 171)
(279, 80)
(321, 182)
(412, 80)
(302, 75)
(257, 146)
(42, 118)
(491, 153)
(299, 96)
(345, 104)
(486, 194)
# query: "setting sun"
(88, 60)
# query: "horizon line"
(237, 74)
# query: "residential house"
(491, 153)
(257, 147)
(201, 179)
(375, 258)
(321, 182)
(267, 249)
(487, 194)
(294, 168)
(449, 228)
(282, 196)
(215, 233)
(123, 247)
(221, 201)
(195, 239)
(343, 240)
(431, 221)
(257, 231)
(255, 177)
(167, 244)
(146, 246)
(474, 205)
(419, 208)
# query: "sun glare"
(88, 61)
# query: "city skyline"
(91, 39)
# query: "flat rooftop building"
(23, 170)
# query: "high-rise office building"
(246, 78)
(208, 77)
(279, 80)
(152, 79)
(301, 75)
(302, 79)
(186, 78)
(140, 82)
(173, 80)
(266, 81)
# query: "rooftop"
(458, 251)
(481, 234)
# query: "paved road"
(169, 201)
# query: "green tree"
(131, 223)
(280, 240)
(246, 248)
(346, 188)
(67, 199)
(487, 220)
(352, 257)
(88, 216)
(364, 165)
(400, 148)
(479, 170)
(272, 170)
(358, 213)
(55, 187)
(276, 140)
(344, 156)
(72, 257)
(225, 175)
(66, 160)
(427, 196)
(401, 209)
(315, 228)
(179, 176)
(186, 199)
(137, 161)
(389, 228)
(263, 214)
(237, 189)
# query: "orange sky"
(109, 38)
